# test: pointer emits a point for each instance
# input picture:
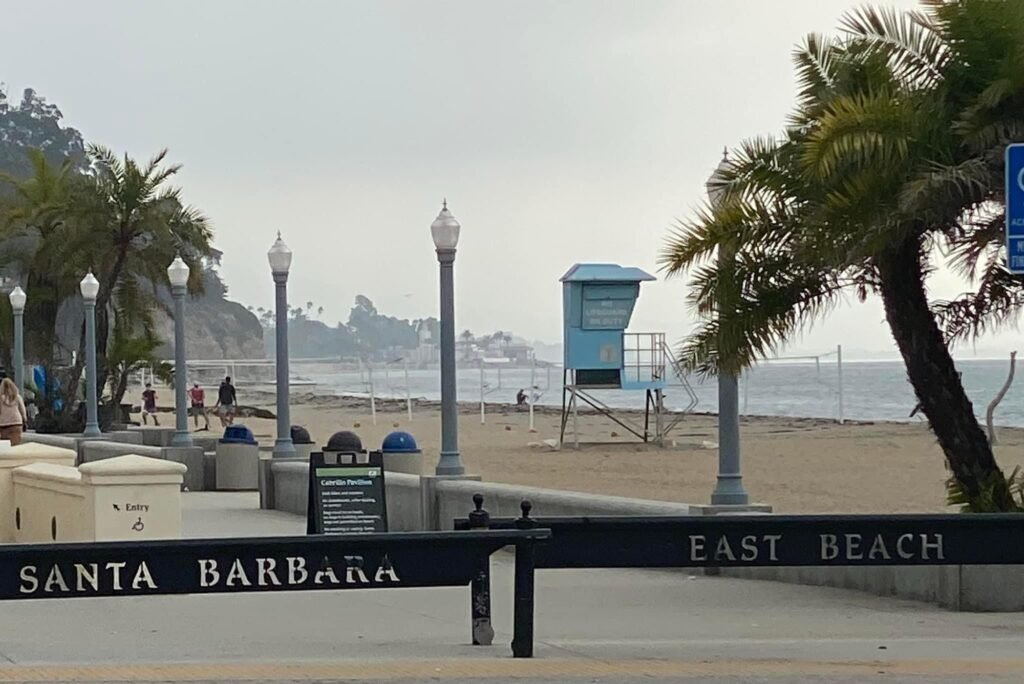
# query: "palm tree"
(894, 148)
(36, 244)
(129, 354)
(133, 224)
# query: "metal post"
(408, 391)
(746, 391)
(283, 447)
(92, 424)
(181, 438)
(450, 462)
(373, 397)
(480, 587)
(19, 350)
(483, 410)
(729, 487)
(522, 630)
(839, 363)
(533, 392)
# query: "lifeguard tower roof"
(605, 273)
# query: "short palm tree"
(893, 151)
(133, 224)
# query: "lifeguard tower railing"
(643, 360)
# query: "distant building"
(518, 353)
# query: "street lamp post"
(445, 231)
(90, 287)
(18, 299)
(177, 273)
(280, 258)
(729, 487)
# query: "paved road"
(591, 626)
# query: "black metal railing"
(194, 566)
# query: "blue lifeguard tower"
(597, 304)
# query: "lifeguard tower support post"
(597, 304)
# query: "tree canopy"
(67, 208)
(892, 159)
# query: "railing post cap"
(479, 518)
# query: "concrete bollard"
(154, 435)
(49, 504)
(238, 467)
(21, 455)
(193, 459)
(134, 497)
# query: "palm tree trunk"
(933, 375)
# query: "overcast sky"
(560, 131)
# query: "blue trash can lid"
(238, 434)
(345, 442)
(399, 442)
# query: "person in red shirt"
(198, 398)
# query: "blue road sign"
(1015, 208)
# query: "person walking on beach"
(12, 412)
(226, 401)
(149, 405)
(197, 396)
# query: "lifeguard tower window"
(598, 378)
(608, 307)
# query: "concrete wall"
(455, 500)
(100, 449)
(974, 588)
(62, 441)
(192, 458)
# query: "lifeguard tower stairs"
(599, 355)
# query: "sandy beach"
(796, 465)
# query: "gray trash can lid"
(345, 442)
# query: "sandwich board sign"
(1015, 208)
(346, 494)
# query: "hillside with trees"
(367, 335)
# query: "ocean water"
(871, 390)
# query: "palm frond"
(914, 48)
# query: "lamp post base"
(284, 448)
(729, 491)
(92, 431)
(181, 438)
(450, 464)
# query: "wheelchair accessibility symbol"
(138, 525)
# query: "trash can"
(401, 454)
(238, 460)
(302, 441)
(348, 443)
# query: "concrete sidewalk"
(591, 625)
